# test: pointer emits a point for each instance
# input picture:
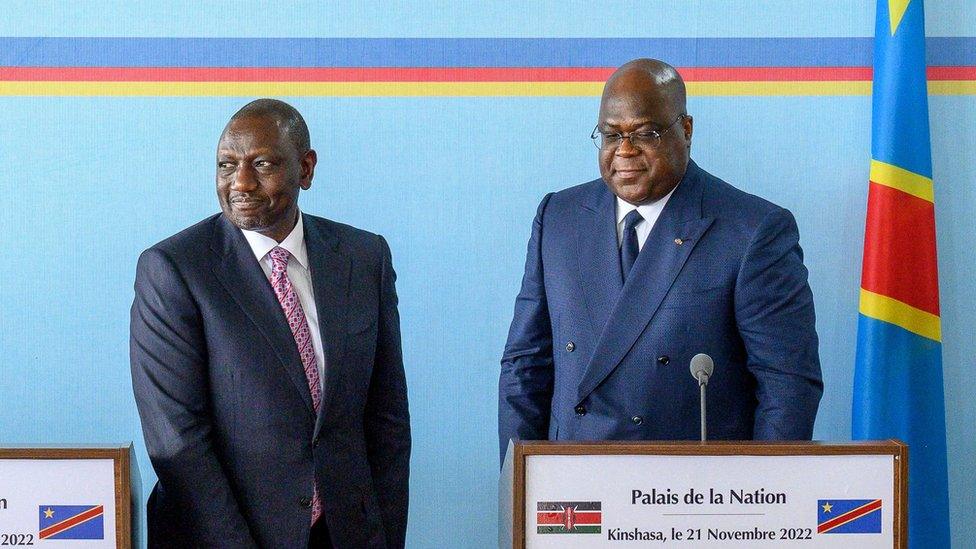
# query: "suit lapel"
(675, 235)
(241, 275)
(599, 257)
(330, 269)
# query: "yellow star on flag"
(48, 513)
(896, 10)
(827, 507)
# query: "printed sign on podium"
(712, 494)
(65, 497)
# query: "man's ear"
(308, 168)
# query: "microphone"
(701, 368)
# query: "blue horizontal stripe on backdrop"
(458, 52)
(437, 52)
(950, 52)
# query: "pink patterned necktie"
(299, 329)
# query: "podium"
(704, 494)
(76, 496)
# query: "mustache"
(244, 197)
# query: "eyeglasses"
(639, 140)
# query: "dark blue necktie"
(628, 246)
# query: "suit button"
(315, 443)
(637, 420)
(580, 410)
(663, 360)
(305, 502)
(570, 347)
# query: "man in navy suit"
(266, 364)
(629, 276)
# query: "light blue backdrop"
(452, 183)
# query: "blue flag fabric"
(898, 387)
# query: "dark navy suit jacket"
(589, 357)
(225, 405)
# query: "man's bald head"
(289, 121)
(656, 79)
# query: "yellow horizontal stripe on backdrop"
(905, 181)
(836, 87)
(952, 87)
(440, 89)
(895, 312)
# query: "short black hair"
(288, 118)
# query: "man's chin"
(246, 222)
(632, 192)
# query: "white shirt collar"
(294, 243)
(650, 211)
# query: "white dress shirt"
(298, 274)
(650, 212)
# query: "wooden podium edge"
(121, 462)
(901, 494)
(518, 504)
(716, 448)
(123, 497)
(893, 447)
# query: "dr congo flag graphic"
(849, 516)
(71, 522)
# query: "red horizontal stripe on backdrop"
(899, 248)
(773, 74)
(437, 74)
(581, 517)
(306, 74)
(951, 73)
(415, 74)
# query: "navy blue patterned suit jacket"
(590, 357)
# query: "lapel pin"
(678, 241)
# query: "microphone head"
(702, 367)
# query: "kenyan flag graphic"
(568, 517)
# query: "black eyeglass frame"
(651, 138)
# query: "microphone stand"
(701, 368)
(701, 385)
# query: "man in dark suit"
(266, 364)
(629, 276)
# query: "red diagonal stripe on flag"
(59, 527)
(841, 520)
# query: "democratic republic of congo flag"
(898, 389)
(71, 522)
(849, 516)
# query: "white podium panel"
(709, 501)
(708, 495)
(52, 500)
